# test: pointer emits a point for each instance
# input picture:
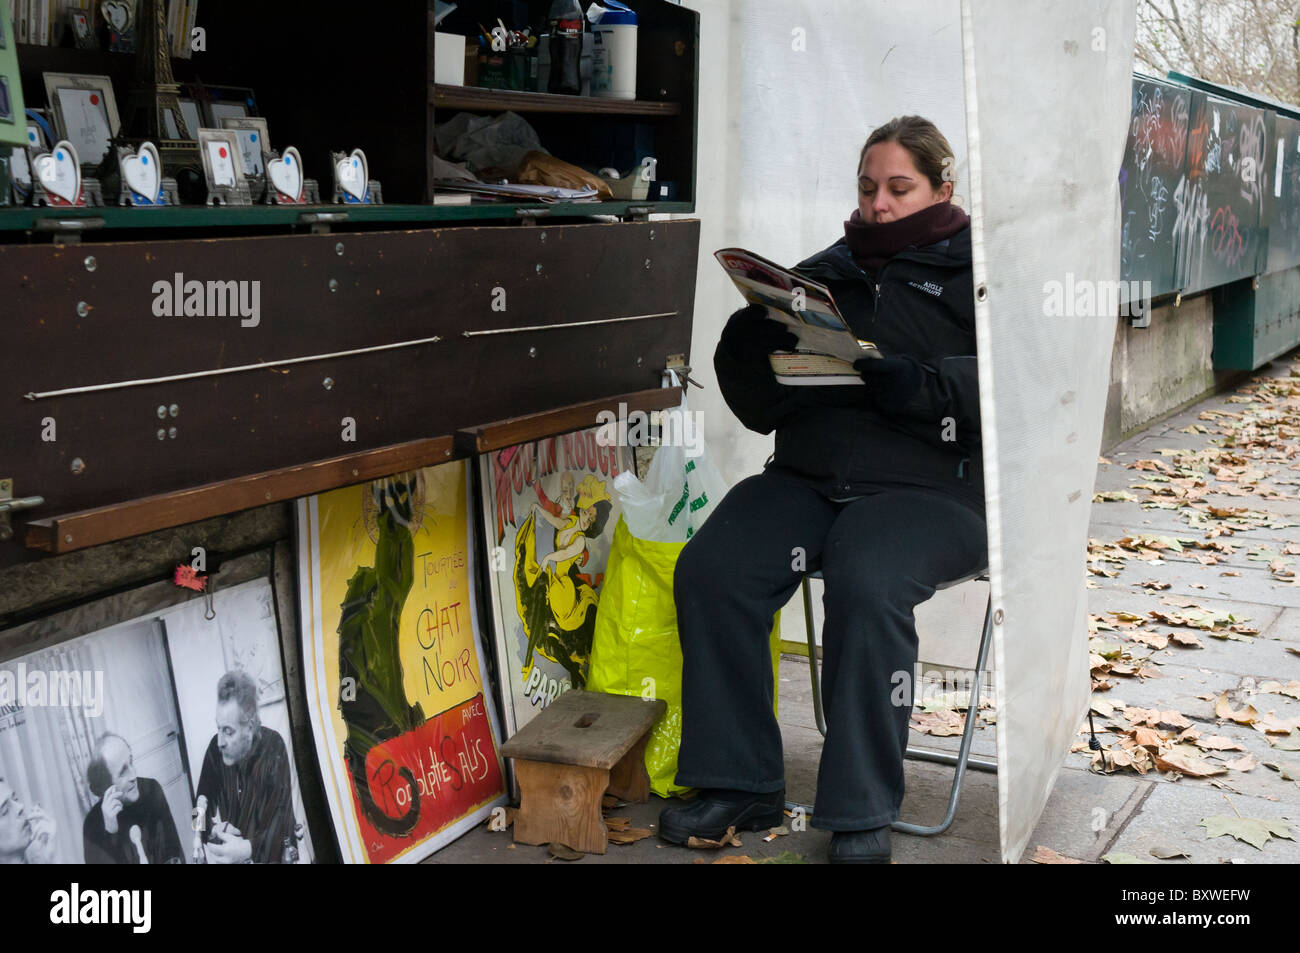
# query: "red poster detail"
(453, 763)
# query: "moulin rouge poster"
(406, 739)
(550, 511)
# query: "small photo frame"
(83, 30)
(193, 116)
(253, 141)
(225, 102)
(85, 112)
(219, 151)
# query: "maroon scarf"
(873, 245)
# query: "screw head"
(652, 234)
(162, 434)
(67, 538)
(174, 409)
(78, 465)
(90, 263)
(338, 249)
(647, 262)
(162, 411)
(171, 432)
(83, 309)
(638, 362)
(532, 352)
(539, 267)
(543, 236)
(997, 617)
(334, 284)
(981, 293)
(328, 383)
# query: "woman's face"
(890, 186)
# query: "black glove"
(750, 335)
(891, 381)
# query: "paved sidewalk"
(1091, 814)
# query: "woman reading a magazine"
(879, 483)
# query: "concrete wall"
(1156, 370)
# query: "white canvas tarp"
(1047, 113)
(789, 91)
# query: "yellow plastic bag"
(635, 649)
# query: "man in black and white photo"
(247, 781)
(26, 834)
(131, 822)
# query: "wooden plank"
(560, 804)
(548, 423)
(585, 728)
(62, 534)
(492, 100)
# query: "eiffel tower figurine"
(154, 95)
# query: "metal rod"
(192, 375)
(568, 324)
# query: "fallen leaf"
(1184, 760)
(1120, 858)
(1153, 584)
(1290, 743)
(1284, 771)
(775, 832)
(1186, 640)
(628, 835)
(728, 839)
(1218, 743)
(1045, 855)
(1250, 830)
(1245, 763)
(735, 859)
(1168, 853)
(1292, 688)
(1242, 716)
(564, 852)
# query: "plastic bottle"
(566, 22)
(613, 67)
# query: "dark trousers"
(881, 555)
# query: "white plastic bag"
(681, 487)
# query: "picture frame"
(193, 115)
(406, 732)
(222, 168)
(148, 667)
(254, 140)
(85, 112)
(224, 102)
(82, 29)
(558, 473)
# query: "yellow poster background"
(436, 637)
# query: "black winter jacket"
(921, 305)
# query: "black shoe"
(710, 814)
(860, 847)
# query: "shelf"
(229, 216)
(500, 100)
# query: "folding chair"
(962, 759)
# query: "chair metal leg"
(961, 760)
(968, 734)
(812, 657)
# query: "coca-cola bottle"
(566, 22)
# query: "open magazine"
(827, 346)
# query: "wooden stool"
(581, 745)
